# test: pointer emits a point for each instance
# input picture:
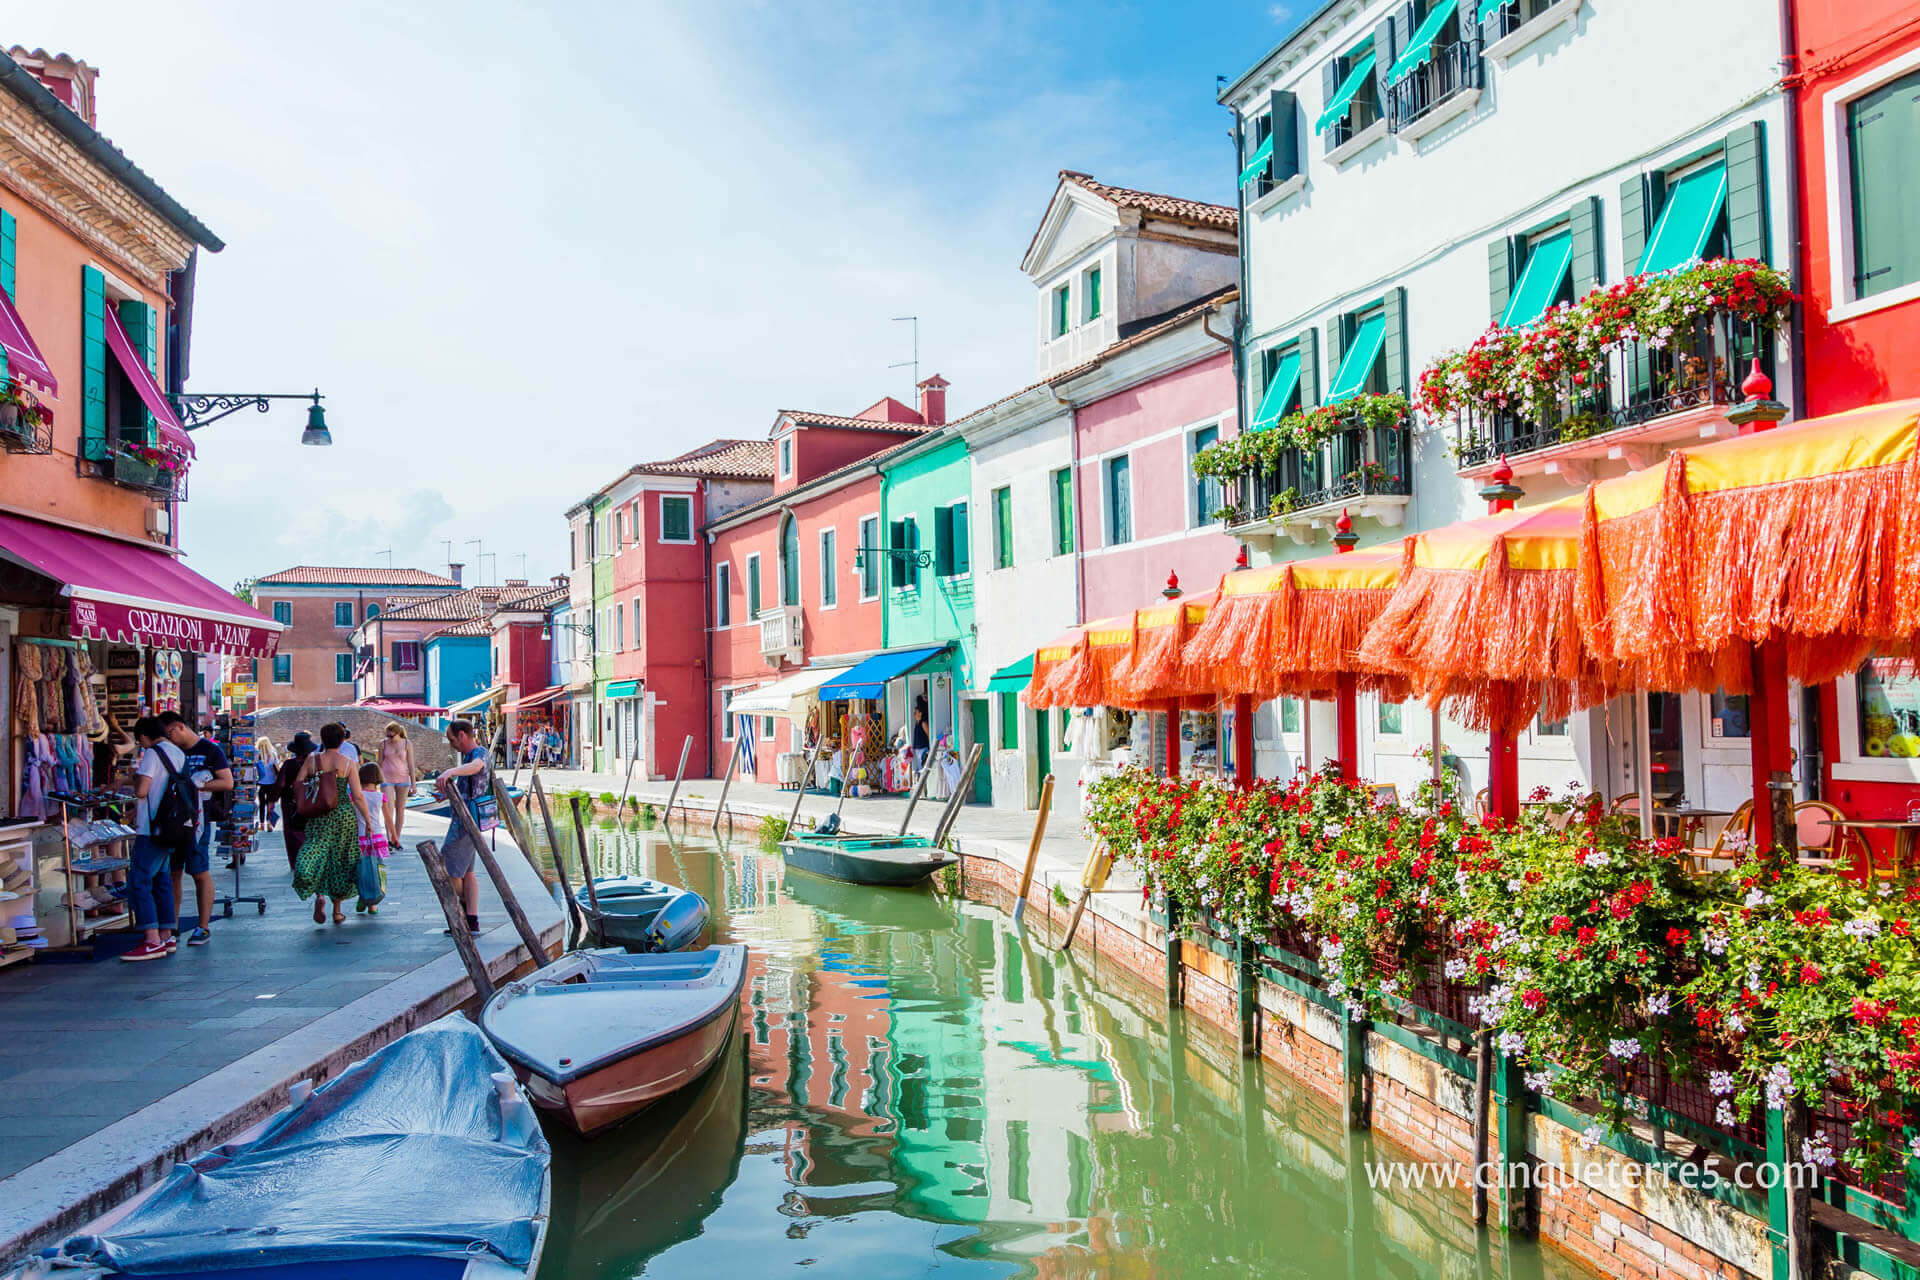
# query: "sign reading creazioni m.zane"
(161, 629)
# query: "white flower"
(1512, 1042)
(1658, 1004)
(1624, 1048)
(1539, 1081)
(1736, 1023)
(1715, 943)
(1720, 1083)
(1756, 897)
(1357, 1010)
(1862, 927)
(1815, 1151)
(1331, 830)
(1456, 969)
(1780, 1086)
(1348, 910)
(1589, 1136)
(1514, 886)
(1723, 1115)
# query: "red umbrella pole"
(1173, 739)
(1346, 705)
(1770, 726)
(1243, 741)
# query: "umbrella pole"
(1770, 726)
(1243, 741)
(1503, 774)
(1173, 740)
(1347, 715)
(1643, 755)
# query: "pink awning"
(118, 591)
(24, 360)
(541, 698)
(401, 707)
(135, 367)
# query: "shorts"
(193, 861)
(398, 789)
(458, 854)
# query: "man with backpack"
(212, 776)
(166, 818)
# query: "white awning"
(787, 698)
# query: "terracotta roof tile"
(806, 417)
(331, 575)
(800, 492)
(718, 459)
(1174, 208)
(476, 602)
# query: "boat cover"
(403, 1154)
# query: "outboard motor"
(679, 924)
(830, 827)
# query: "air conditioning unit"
(782, 634)
(159, 524)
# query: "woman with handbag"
(331, 802)
(287, 794)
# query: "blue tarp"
(869, 679)
(403, 1155)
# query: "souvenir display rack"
(88, 869)
(20, 934)
(235, 834)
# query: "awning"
(1357, 365)
(477, 701)
(1488, 8)
(401, 707)
(1013, 677)
(1540, 279)
(1262, 154)
(539, 699)
(1343, 96)
(1273, 405)
(787, 698)
(135, 367)
(122, 592)
(1420, 47)
(869, 679)
(623, 689)
(1686, 219)
(24, 360)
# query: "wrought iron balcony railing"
(1355, 463)
(1452, 70)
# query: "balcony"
(1639, 401)
(1446, 85)
(1363, 470)
(26, 426)
(131, 466)
(782, 634)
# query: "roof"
(474, 602)
(24, 85)
(349, 576)
(718, 460)
(800, 492)
(480, 626)
(808, 418)
(1173, 208)
(1300, 29)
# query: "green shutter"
(962, 538)
(943, 542)
(1420, 46)
(1342, 100)
(1499, 275)
(1009, 721)
(1063, 511)
(1284, 112)
(913, 545)
(1309, 348)
(1336, 350)
(1003, 528)
(1093, 294)
(753, 588)
(1281, 386)
(1547, 265)
(1746, 161)
(1639, 197)
(1060, 318)
(897, 560)
(1883, 129)
(1589, 258)
(1393, 346)
(1688, 217)
(137, 319)
(9, 256)
(93, 364)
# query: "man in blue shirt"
(209, 770)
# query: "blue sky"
(522, 246)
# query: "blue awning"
(623, 689)
(1261, 154)
(869, 679)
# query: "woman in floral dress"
(329, 859)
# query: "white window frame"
(828, 586)
(1851, 765)
(337, 605)
(880, 570)
(273, 611)
(1546, 746)
(723, 595)
(726, 714)
(784, 450)
(336, 668)
(1833, 124)
(633, 613)
(1087, 295)
(619, 626)
(1384, 743)
(665, 498)
(1196, 518)
(1105, 463)
(965, 574)
(752, 573)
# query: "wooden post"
(812, 757)
(586, 862)
(1482, 1108)
(1174, 999)
(620, 810)
(1247, 995)
(559, 863)
(1346, 711)
(913, 797)
(678, 774)
(536, 950)
(1243, 741)
(1790, 1198)
(951, 813)
(456, 920)
(1439, 766)
(1173, 739)
(733, 763)
(1033, 845)
(516, 821)
(1353, 1065)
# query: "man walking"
(209, 771)
(471, 779)
(163, 823)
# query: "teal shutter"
(93, 365)
(753, 589)
(9, 256)
(943, 542)
(897, 542)
(1393, 348)
(962, 538)
(1884, 131)
(1589, 259)
(1747, 191)
(1284, 113)
(913, 545)
(1063, 512)
(1500, 267)
(1389, 34)
(1639, 201)
(1336, 347)
(1309, 350)
(137, 319)
(1329, 95)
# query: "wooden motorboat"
(877, 860)
(434, 805)
(643, 915)
(598, 1035)
(424, 1160)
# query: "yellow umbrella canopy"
(1077, 669)
(1156, 672)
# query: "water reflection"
(920, 1090)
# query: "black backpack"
(176, 817)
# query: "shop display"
(20, 934)
(56, 719)
(234, 834)
(90, 872)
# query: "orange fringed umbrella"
(1293, 628)
(1156, 671)
(1077, 669)
(1805, 539)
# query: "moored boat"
(423, 1160)
(598, 1035)
(874, 860)
(643, 915)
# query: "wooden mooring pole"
(568, 905)
(678, 774)
(529, 936)
(456, 914)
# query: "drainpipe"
(1079, 523)
(1790, 84)
(1238, 345)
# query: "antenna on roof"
(521, 556)
(915, 362)
(479, 558)
(388, 553)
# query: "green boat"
(877, 860)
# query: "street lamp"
(196, 411)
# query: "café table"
(1680, 815)
(1905, 832)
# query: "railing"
(1509, 18)
(102, 458)
(1362, 114)
(1355, 462)
(781, 631)
(23, 428)
(1453, 69)
(1636, 382)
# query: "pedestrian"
(396, 779)
(329, 863)
(164, 807)
(347, 747)
(266, 767)
(921, 739)
(373, 844)
(209, 770)
(287, 791)
(471, 778)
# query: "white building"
(1412, 172)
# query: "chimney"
(453, 571)
(514, 582)
(559, 579)
(67, 78)
(933, 401)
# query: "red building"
(1856, 80)
(788, 587)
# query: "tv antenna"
(914, 363)
(479, 558)
(388, 553)
(521, 556)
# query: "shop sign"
(163, 629)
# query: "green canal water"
(917, 1089)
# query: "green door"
(978, 732)
(1042, 749)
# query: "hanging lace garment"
(26, 698)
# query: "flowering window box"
(1298, 476)
(26, 425)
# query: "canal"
(919, 1089)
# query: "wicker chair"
(1826, 848)
(1719, 857)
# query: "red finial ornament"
(1172, 590)
(1501, 492)
(1344, 538)
(1758, 385)
(1242, 560)
(1759, 411)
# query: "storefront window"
(1390, 717)
(1728, 716)
(1289, 715)
(1550, 728)
(1889, 711)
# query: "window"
(726, 715)
(1009, 721)
(1727, 716)
(1887, 706)
(343, 613)
(634, 522)
(1545, 728)
(869, 553)
(619, 627)
(723, 594)
(753, 586)
(282, 668)
(904, 539)
(1692, 222)
(1062, 312)
(283, 612)
(1546, 277)
(1289, 715)
(406, 655)
(1003, 527)
(373, 611)
(766, 728)
(634, 607)
(950, 538)
(1390, 717)
(1882, 139)
(676, 518)
(789, 561)
(1360, 364)
(619, 530)
(1280, 370)
(786, 455)
(343, 668)
(1353, 102)
(573, 548)
(1119, 501)
(1063, 512)
(1090, 291)
(829, 586)
(1207, 497)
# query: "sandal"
(319, 909)
(339, 916)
